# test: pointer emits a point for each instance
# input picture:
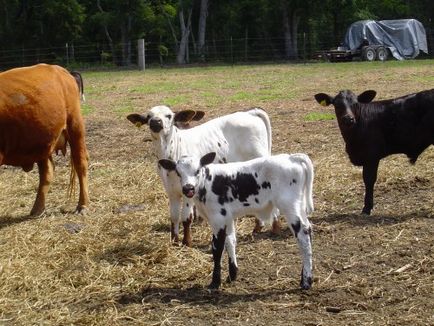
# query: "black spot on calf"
(296, 228)
(202, 195)
(241, 186)
(266, 185)
(207, 174)
(223, 212)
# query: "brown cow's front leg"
(369, 178)
(46, 172)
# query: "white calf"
(222, 192)
(235, 137)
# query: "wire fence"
(232, 51)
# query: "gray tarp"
(404, 37)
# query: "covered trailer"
(375, 40)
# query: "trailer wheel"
(368, 53)
(381, 53)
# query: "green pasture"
(243, 86)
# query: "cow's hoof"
(306, 284)
(81, 210)
(187, 242)
(276, 228)
(213, 286)
(37, 211)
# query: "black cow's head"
(188, 169)
(161, 119)
(344, 103)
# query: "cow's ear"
(169, 165)
(137, 119)
(323, 99)
(184, 116)
(366, 96)
(198, 116)
(207, 159)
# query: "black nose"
(188, 190)
(156, 125)
(348, 120)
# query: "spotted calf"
(222, 192)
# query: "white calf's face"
(160, 119)
(188, 170)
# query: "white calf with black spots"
(235, 137)
(222, 192)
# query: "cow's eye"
(169, 116)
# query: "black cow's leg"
(369, 178)
(218, 244)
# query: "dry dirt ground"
(116, 265)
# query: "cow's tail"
(260, 113)
(80, 84)
(306, 162)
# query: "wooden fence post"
(141, 54)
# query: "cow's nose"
(348, 120)
(188, 190)
(156, 125)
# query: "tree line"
(182, 29)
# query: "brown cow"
(40, 114)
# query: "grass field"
(116, 265)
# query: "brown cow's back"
(34, 111)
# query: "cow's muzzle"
(156, 125)
(188, 190)
(348, 120)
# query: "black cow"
(374, 130)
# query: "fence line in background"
(232, 50)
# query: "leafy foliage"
(115, 23)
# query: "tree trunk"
(182, 55)
(202, 27)
(290, 29)
(126, 42)
(294, 32)
(107, 34)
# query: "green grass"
(319, 116)
(86, 108)
(246, 86)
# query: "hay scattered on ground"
(117, 266)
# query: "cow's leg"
(302, 230)
(218, 243)
(46, 172)
(259, 225)
(187, 218)
(369, 178)
(275, 227)
(230, 246)
(79, 158)
(274, 216)
(175, 205)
